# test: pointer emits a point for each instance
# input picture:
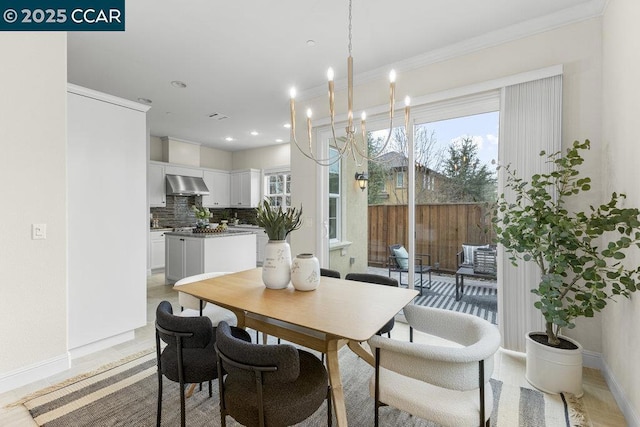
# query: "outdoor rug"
(477, 300)
(124, 394)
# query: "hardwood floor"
(598, 400)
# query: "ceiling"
(240, 58)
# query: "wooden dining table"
(339, 312)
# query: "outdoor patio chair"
(399, 262)
(448, 385)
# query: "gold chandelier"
(347, 145)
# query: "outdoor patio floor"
(480, 296)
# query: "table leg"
(358, 349)
(337, 392)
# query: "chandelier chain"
(349, 27)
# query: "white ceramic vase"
(276, 268)
(305, 272)
(554, 370)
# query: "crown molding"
(558, 19)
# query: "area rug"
(125, 394)
(477, 300)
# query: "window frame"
(338, 201)
(283, 195)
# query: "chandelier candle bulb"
(350, 92)
(309, 126)
(331, 94)
(292, 108)
(407, 110)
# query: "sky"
(482, 128)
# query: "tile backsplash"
(178, 213)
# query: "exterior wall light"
(362, 179)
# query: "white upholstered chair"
(193, 306)
(446, 384)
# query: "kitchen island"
(189, 253)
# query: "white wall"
(577, 47)
(33, 289)
(215, 159)
(620, 153)
(274, 156)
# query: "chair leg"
(377, 387)
(183, 420)
(210, 391)
(159, 413)
(410, 334)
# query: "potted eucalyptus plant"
(580, 255)
(277, 224)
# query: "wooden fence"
(441, 229)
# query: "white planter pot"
(276, 268)
(305, 272)
(554, 370)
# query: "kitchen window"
(278, 189)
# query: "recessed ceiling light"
(278, 140)
(178, 84)
(145, 101)
(229, 139)
(287, 125)
(311, 42)
(254, 133)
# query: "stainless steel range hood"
(178, 185)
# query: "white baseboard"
(591, 359)
(630, 415)
(101, 344)
(35, 372)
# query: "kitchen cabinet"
(218, 183)
(156, 185)
(188, 256)
(106, 160)
(157, 252)
(245, 188)
(183, 171)
(261, 240)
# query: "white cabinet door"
(193, 256)
(184, 257)
(156, 186)
(218, 184)
(261, 242)
(245, 188)
(157, 250)
(174, 265)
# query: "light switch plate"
(38, 231)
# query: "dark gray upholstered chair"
(272, 385)
(189, 357)
(400, 264)
(329, 273)
(377, 280)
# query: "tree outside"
(468, 180)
